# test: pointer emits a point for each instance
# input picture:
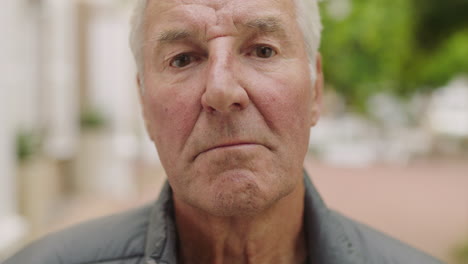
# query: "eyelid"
(171, 51)
(262, 39)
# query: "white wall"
(60, 77)
(111, 80)
(18, 105)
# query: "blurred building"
(448, 109)
(64, 63)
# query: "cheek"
(284, 99)
(171, 114)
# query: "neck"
(275, 235)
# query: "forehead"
(215, 13)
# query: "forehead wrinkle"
(182, 21)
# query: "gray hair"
(310, 25)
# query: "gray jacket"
(148, 236)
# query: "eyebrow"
(173, 35)
(261, 25)
(266, 25)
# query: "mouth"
(231, 145)
(228, 146)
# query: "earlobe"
(317, 91)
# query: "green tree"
(397, 46)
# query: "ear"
(140, 92)
(317, 91)
(139, 85)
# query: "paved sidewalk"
(424, 204)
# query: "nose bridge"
(220, 61)
(223, 92)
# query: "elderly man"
(229, 90)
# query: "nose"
(223, 92)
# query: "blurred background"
(391, 149)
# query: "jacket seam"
(112, 259)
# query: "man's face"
(228, 100)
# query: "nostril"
(236, 106)
(210, 109)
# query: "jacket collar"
(161, 240)
(327, 240)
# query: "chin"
(243, 195)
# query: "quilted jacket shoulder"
(377, 247)
(117, 239)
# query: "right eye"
(182, 60)
(264, 52)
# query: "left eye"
(182, 60)
(264, 52)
